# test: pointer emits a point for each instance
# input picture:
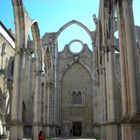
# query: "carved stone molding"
(16, 122)
(76, 58)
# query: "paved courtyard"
(73, 138)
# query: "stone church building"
(71, 86)
(70, 95)
(91, 93)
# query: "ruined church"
(91, 93)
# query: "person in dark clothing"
(41, 136)
(70, 131)
(59, 132)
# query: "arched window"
(12, 68)
(73, 97)
(3, 49)
(79, 98)
(76, 98)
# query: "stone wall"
(6, 52)
(75, 74)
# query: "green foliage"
(98, 139)
(47, 138)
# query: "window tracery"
(77, 98)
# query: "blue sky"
(52, 14)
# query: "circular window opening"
(76, 47)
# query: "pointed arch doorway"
(76, 128)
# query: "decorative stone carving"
(76, 58)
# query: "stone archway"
(37, 126)
(22, 25)
(77, 23)
(16, 131)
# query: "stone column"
(59, 102)
(110, 72)
(102, 88)
(49, 108)
(37, 102)
(16, 130)
(108, 27)
(130, 67)
(111, 124)
(28, 93)
(52, 87)
(44, 126)
(129, 72)
(123, 62)
(47, 93)
(109, 60)
(128, 59)
(101, 81)
(132, 61)
(96, 95)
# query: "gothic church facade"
(91, 93)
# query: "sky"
(53, 14)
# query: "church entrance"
(77, 128)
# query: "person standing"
(71, 132)
(41, 136)
(59, 132)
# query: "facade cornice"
(7, 35)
